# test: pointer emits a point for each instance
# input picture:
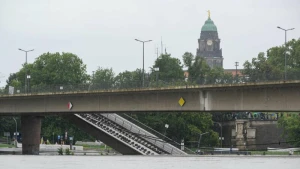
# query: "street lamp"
(16, 132)
(285, 30)
(221, 132)
(156, 69)
(199, 141)
(28, 81)
(166, 127)
(26, 51)
(236, 65)
(143, 56)
(52, 137)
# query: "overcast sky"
(102, 32)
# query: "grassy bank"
(6, 145)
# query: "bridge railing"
(129, 85)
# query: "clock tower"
(209, 44)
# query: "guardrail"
(130, 85)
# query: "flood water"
(143, 162)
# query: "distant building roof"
(234, 71)
(209, 26)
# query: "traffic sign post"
(7, 134)
(58, 138)
(71, 142)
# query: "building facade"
(209, 44)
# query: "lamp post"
(156, 69)
(236, 65)
(53, 138)
(285, 30)
(16, 132)
(28, 81)
(26, 51)
(199, 141)
(143, 56)
(166, 127)
(221, 132)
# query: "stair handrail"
(164, 136)
(131, 126)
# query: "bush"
(67, 151)
(60, 151)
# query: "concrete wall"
(257, 134)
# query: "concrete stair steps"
(109, 128)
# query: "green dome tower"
(209, 44)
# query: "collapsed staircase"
(128, 134)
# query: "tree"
(129, 79)
(56, 68)
(53, 69)
(103, 78)
(169, 68)
(291, 127)
(7, 124)
(272, 66)
(197, 67)
(188, 59)
(186, 125)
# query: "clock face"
(209, 42)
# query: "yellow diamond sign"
(181, 101)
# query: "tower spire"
(208, 14)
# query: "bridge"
(267, 96)
(272, 96)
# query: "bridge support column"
(31, 131)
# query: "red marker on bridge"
(70, 105)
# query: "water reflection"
(154, 162)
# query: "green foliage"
(188, 59)
(67, 151)
(58, 125)
(185, 126)
(169, 67)
(57, 69)
(129, 79)
(291, 127)
(198, 70)
(60, 151)
(6, 146)
(7, 124)
(201, 73)
(104, 77)
(270, 67)
(51, 68)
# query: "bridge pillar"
(31, 131)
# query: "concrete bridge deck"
(267, 96)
